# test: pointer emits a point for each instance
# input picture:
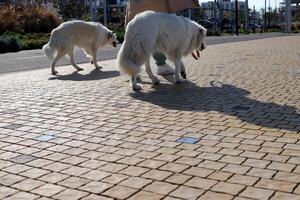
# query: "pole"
(269, 21)
(254, 18)
(265, 23)
(236, 17)
(91, 9)
(105, 13)
(247, 17)
(288, 16)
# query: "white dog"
(87, 35)
(153, 31)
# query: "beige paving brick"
(120, 192)
(96, 187)
(197, 171)
(22, 195)
(285, 176)
(284, 196)
(188, 161)
(134, 171)
(238, 169)
(151, 163)
(220, 176)
(53, 177)
(28, 184)
(178, 179)
(256, 193)
(10, 179)
(74, 182)
(243, 180)
(228, 188)
(212, 165)
(256, 163)
(232, 159)
(281, 166)
(214, 195)
(160, 187)
(48, 190)
(146, 195)
(276, 185)
(187, 192)
(136, 182)
(6, 191)
(201, 183)
(265, 173)
(96, 197)
(70, 194)
(112, 167)
(174, 167)
(158, 175)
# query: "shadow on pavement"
(93, 75)
(223, 98)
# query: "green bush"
(10, 44)
(34, 40)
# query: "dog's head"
(112, 39)
(200, 46)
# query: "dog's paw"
(155, 81)
(136, 87)
(180, 80)
(79, 69)
(183, 74)
(98, 67)
(54, 72)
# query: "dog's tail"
(48, 51)
(126, 64)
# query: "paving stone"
(160, 187)
(120, 192)
(187, 192)
(146, 195)
(23, 159)
(214, 195)
(284, 196)
(256, 193)
(228, 188)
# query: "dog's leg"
(153, 78)
(182, 70)
(134, 84)
(178, 78)
(59, 55)
(94, 56)
(71, 56)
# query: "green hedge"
(12, 42)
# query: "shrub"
(34, 40)
(25, 19)
(10, 44)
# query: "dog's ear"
(110, 34)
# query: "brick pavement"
(88, 136)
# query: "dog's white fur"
(86, 35)
(151, 31)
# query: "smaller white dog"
(86, 35)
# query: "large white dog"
(87, 35)
(153, 31)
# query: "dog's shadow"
(222, 98)
(93, 75)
